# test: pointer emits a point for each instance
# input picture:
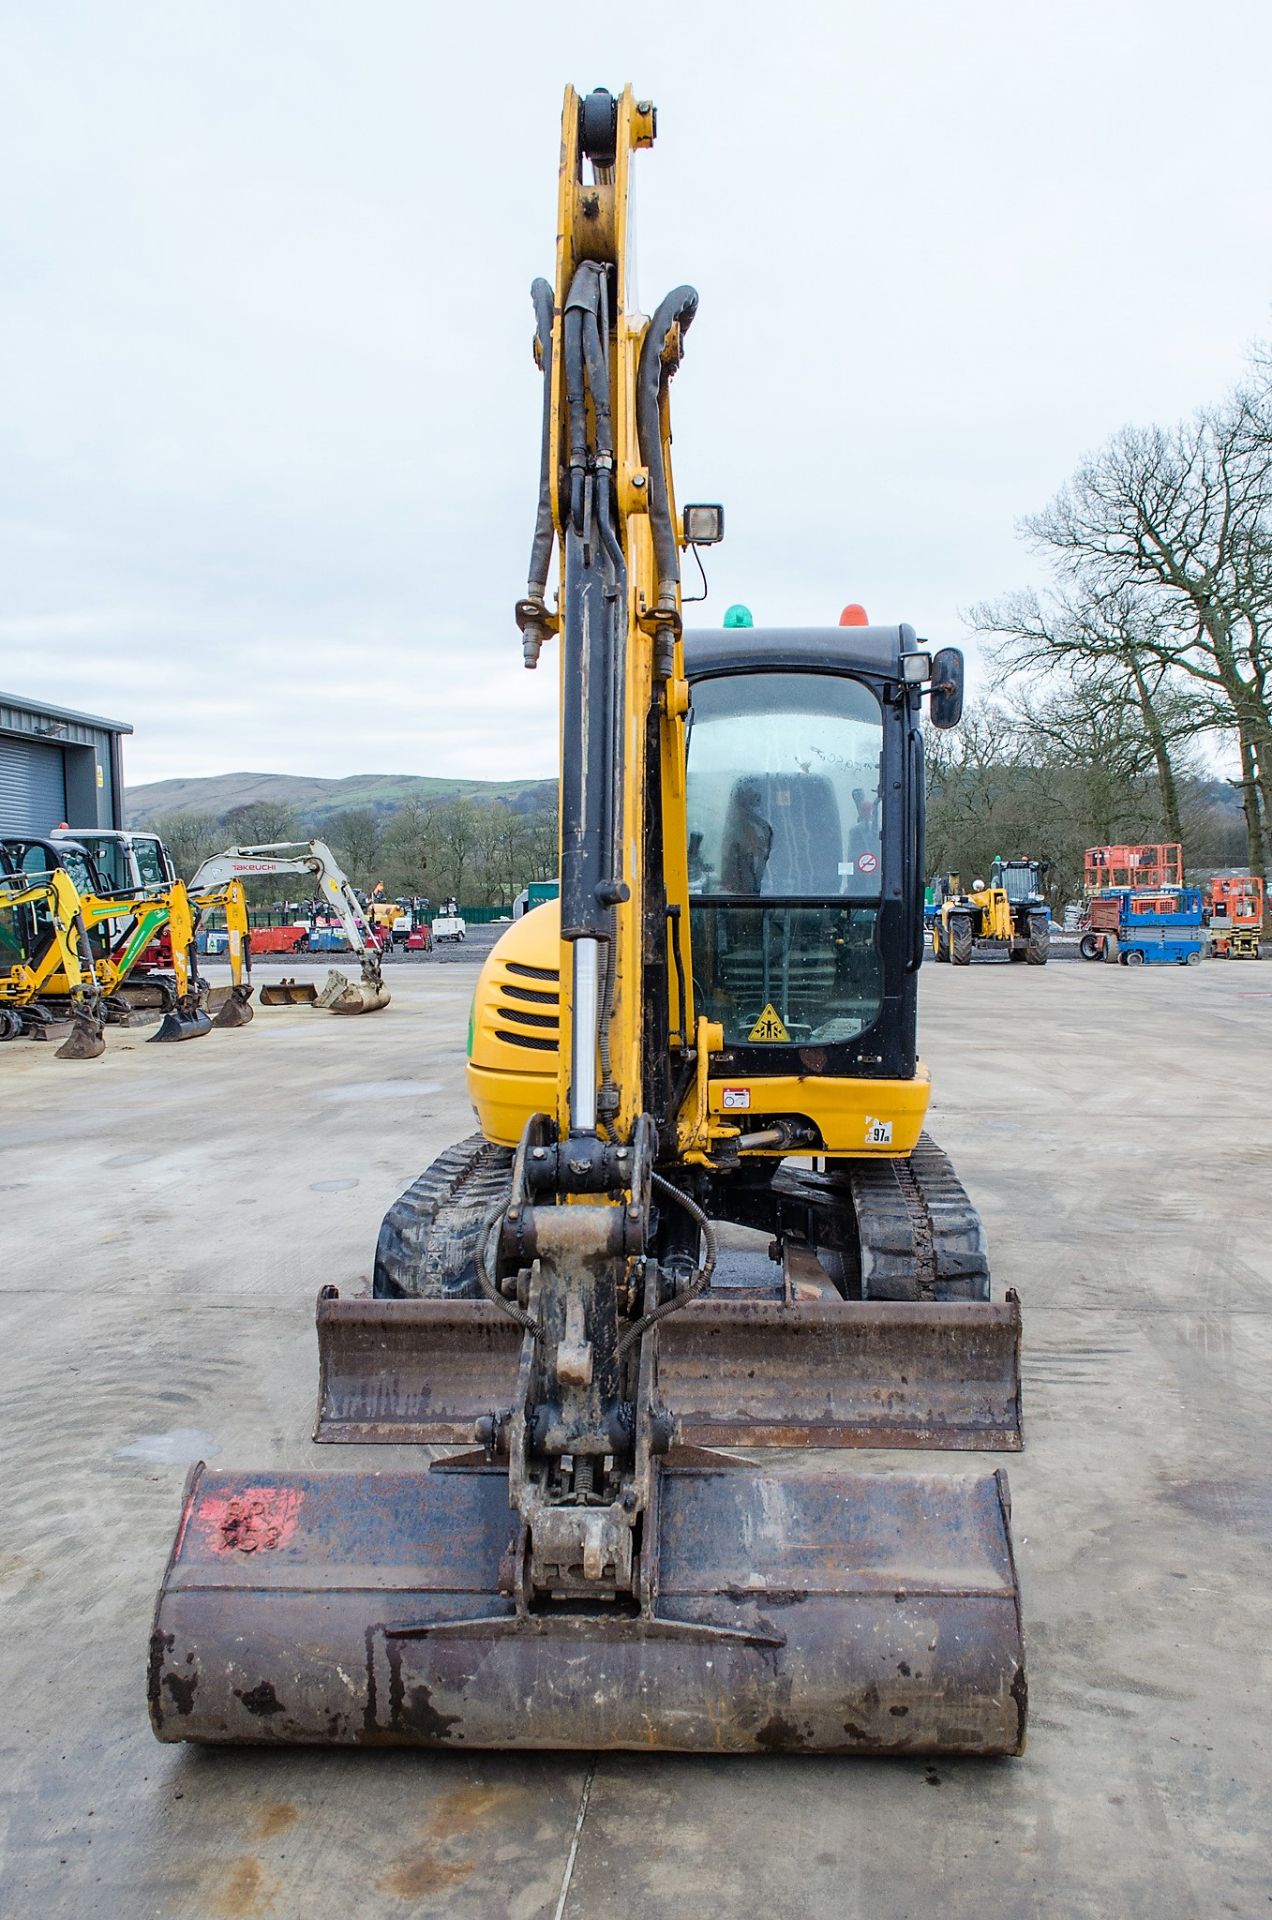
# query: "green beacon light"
(738, 616)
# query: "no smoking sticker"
(867, 863)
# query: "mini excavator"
(43, 936)
(701, 1212)
(339, 994)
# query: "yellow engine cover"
(514, 1040)
(513, 1037)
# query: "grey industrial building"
(56, 765)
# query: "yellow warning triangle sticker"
(769, 1026)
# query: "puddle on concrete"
(331, 1186)
(179, 1444)
(381, 1090)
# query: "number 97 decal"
(878, 1133)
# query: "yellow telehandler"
(1009, 915)
(653, 1056)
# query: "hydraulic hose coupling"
(534, 631)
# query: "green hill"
(317, 800)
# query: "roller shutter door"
(32, 786)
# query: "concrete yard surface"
(170, 1213)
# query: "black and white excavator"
(339, 994)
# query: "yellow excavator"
(42, 937)
(701, 1212)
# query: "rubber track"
(920, 1236)
(428, 1238)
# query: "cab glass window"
(785, 857)
(149, 865)
(784, 787)
(111, 861)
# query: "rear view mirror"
(946, 703)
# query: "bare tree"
(452, 835)
(190, 838)
(1091, 652)
(404, 851)
(1184, 517)
(356, 836)
(259, 823)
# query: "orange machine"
(1147, 866)
(1234, 915)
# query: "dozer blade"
(822, 1613)
(289, 993)
(730, 1373)
(180, 1025)
(234, 1010)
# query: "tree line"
(1151, 642)
(1150, 645)
(482, 852)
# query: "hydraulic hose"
(701, 1280)
(541, 545)
(678, 308)
(484, 1262)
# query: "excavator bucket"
(342, 995)
(85, 1040)
(183, 1023)
(232, 1007)
(289, 993)
(781, 1610)
(828, 1613)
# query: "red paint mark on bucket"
(257, 1520)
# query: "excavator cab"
(801, 926)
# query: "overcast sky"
(268, 414)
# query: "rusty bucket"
(85, 1040)
(342, 995)
(234, 1009)
(289, 993)
(827, 1613)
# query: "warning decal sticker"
(769, 1026)
(867, 863)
